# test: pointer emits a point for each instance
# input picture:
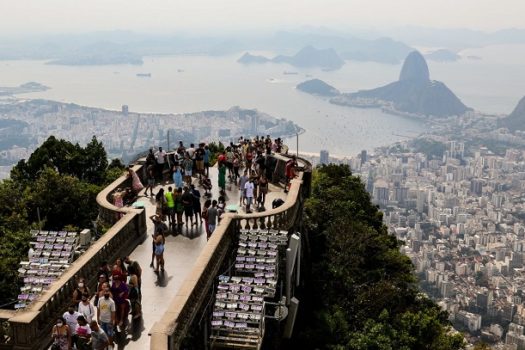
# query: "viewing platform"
(175, 303)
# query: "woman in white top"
(86, 309)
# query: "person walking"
(99, 338)
(249, 187)
(61, 335)
(242, 183)
(86, 309)
(263, 191)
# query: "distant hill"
(515, 120)
(308, 56)
(443, 55)
(414, 92)
(318, 87)
(248, 58)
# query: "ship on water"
(144, 75)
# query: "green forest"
(59, 182)
(360, 290)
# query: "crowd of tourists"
(94, 317)
(183, 199)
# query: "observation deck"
(175, 304)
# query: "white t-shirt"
(71, 320)
(160, 156)
(105, 307)
(191, 152)
(249, 189)
(87, 310)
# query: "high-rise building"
(125, 109)
(323, 157)
(363, 156)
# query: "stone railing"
(30, 328)
(169, 332)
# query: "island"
(317, 87)
(307, 57)
(23, 89)
(414, 94)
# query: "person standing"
(290, 172)
(199, 161)
(187, 201)
(263, 190)
(206, 159)
(119, 289)
(150, 176)
(205, 208)
(159, 228)
(179, 208)
(249, 187)
(134, 269)
(187, 165)
(160, 156)
(242, 183)
(177, 176)
(212, 218)
(222, 177)
(159, 252)
(106, 314)
(196, 204)
(170, 204)
(160, 207)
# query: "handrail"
(180, 309)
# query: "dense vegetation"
(360, 291)
(59, 181)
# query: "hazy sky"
(29, 16)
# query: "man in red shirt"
(290, 172)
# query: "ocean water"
(181, 84)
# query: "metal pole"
(297, 136)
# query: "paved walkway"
(180, 254)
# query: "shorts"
(249, 200)
(188, 211)
(206, 164)
(211, 228)
(187, 173)
(200, 165)
(151, 182)
(107, 328)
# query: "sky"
(64, 16)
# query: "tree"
(360, 291)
